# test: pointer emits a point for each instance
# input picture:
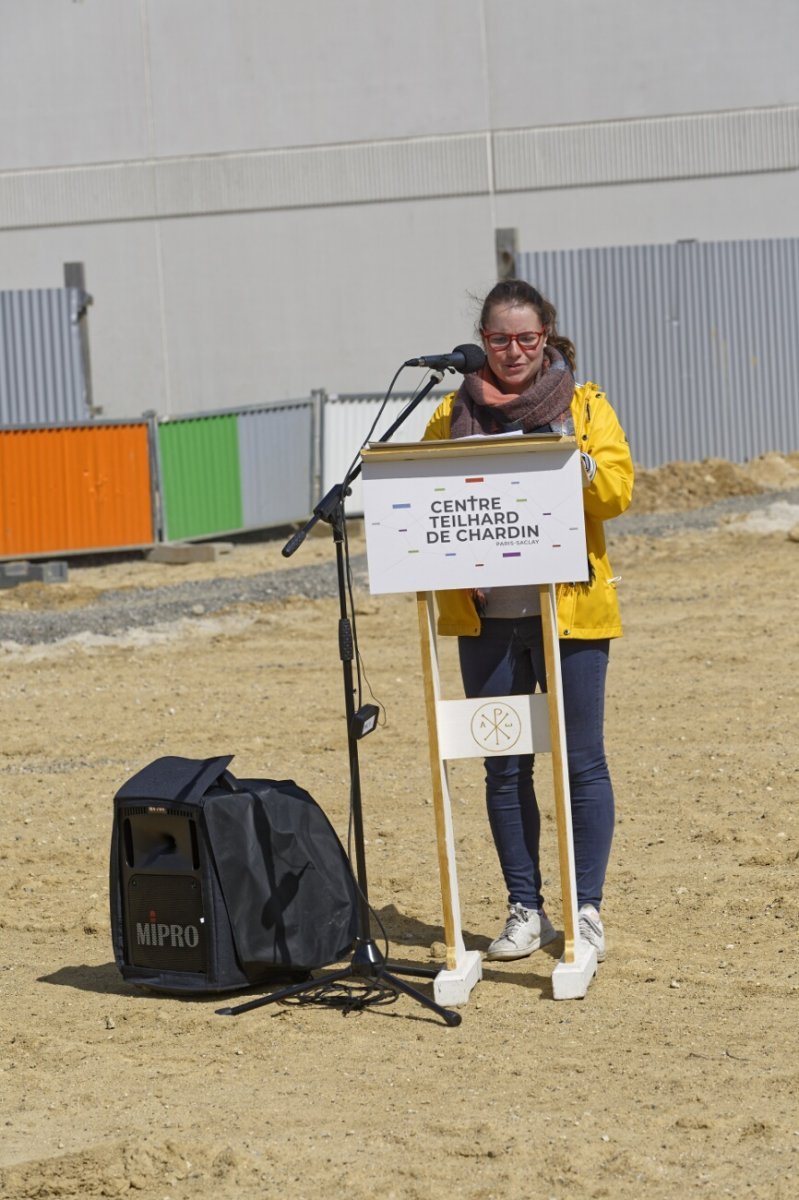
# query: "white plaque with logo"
(500, 725)
(488, 511)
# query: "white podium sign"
(489, 511)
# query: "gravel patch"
(115, 612)
(663, 524)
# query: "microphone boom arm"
(328, 506)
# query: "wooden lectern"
(484, 512)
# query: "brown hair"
(517, 292)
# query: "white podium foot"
(570, 980)
(453, 987)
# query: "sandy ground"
(677, 1075)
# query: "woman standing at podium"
(527, 385)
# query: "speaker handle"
(178, 779)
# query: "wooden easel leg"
(577, 967)
(464, 968)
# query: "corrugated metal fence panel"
(78, 488)
(42, 378)
(276, 449)
(696, 343)
(347, 424)
(200, 478)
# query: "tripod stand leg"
(294, 989)
(449, 1015)
(398, 985)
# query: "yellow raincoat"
(585, 610)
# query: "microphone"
(463, 358)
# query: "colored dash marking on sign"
(450, 554)
(405, 505)
(475, 479)
(556, 546)
(402, 531)
(511, 553)
(549, 514)
(439, 489)
(413, 551)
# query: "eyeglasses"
(527, 341)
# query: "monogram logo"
(496, 727)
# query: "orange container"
(74, 488)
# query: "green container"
(200, 476)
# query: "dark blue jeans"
(507, 659)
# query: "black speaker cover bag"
(288, 887)
(278, 893)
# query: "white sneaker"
(525, 930)
(592, 929)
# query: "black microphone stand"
(367, 963)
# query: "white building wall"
(306, 303)
(579, 60)
(722, 208)
(274, 197)
(73, 83)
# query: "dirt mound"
(775, 470)
(118, 1167)
(677, 486)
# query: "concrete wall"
(274, 197)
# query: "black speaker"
(162, 886)
(218, 883)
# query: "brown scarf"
(481, 408)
